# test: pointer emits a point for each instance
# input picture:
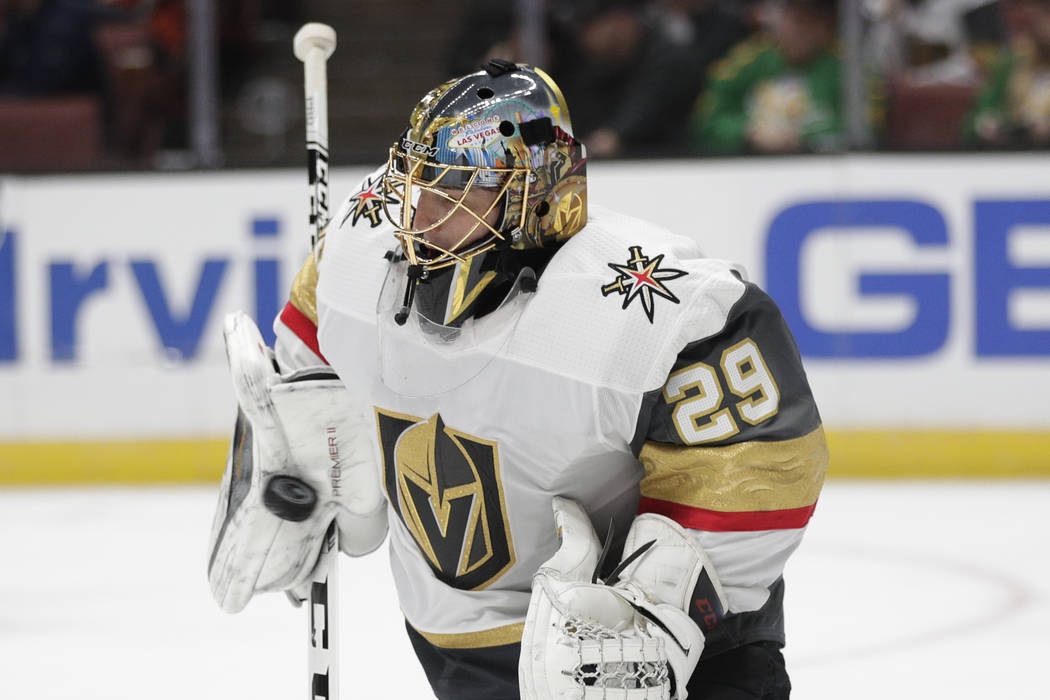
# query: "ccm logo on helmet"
(422, 149)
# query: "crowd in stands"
(1012, 108)
(103, 84)
(86, 82)
(722, 77)
(645, 78)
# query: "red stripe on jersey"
(719, 521)
(303, 328)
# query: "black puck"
(289, 498)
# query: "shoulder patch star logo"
(368, 203)
(642, 278)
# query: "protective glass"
(423, 358)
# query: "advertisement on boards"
(918, 290)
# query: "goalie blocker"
(301, 457)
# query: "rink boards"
(918, 289)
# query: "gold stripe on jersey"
(304, 289)
(746, 476)
(508, 634)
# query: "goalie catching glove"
(301, 457)
(630, 637)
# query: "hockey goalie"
(591, 447)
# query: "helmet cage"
(409, 174)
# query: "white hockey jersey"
(639, 375)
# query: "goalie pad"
(631, 640)
(301, 456)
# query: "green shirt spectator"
(778, 93)
(1013, 106)
(757, 102)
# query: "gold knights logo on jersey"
(640, 279)
(368, 203)
(445, 487)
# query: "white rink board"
(100, 370)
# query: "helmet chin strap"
(415, 273)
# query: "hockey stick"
(323, 648)
(313, 44)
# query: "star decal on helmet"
(368, 203)
(642, 278)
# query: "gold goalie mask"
(486, 181)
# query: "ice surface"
(899, 590)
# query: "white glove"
(632, 640)
(301, 457)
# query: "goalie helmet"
(487, 164)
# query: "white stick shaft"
(313, 44)
(316, 82)
(324, 621)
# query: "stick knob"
(311, 36)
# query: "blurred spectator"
(779, 92)
(167, 23)
(1013, 106)
(926, 59)
(611, 67)
(126, 57)
(667, 70)
(635, 67)
(923, 41)
(986, 32)
(55, 97)
(47, 48)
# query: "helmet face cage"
(497, 146)
(409, 176)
